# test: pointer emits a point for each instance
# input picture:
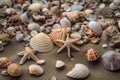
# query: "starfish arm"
(61, 48)
(74, 47)
(68, 48)
(61, 41)
(67, 37)
(24, 58)
(21, 53)
(34, 57)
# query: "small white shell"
(9, 10)
(78, 72)
(65, 22)
(95, 26)
(36, 70)
(102, 5)
(59, 64)
(34, 26)
(75, 35)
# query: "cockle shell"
(14, 70)
(33, 26)
(4, 62)
(78, 72)
(95, 27)
(92, 55)
(41, 43)
(35, 7)
(65, 22)
(111, 60)
(59, 64)
(36, 69)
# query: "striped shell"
(41, 43)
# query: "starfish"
(68, 43)
(29, 53)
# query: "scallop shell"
(78, 72)
(59, 64)
(65, 22)
(4, 62)
(92, 55)
(111, 60)
(33, 26)
(41, 43)
(35, 7)
(14, 70)
(36, 70)
(59, 34)
(95, 27)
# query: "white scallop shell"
(59, 64)
(41, 43)
(78, 72)
(95, 26)
(9, 10)
(75, 35)
(36, 7)
(36, 70)
(34, 26)
(65, 22)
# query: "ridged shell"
(95, 26)
(35, 69)
(34, 26)
(78, 72)
(41, 43)
(65, 22)
(14, 70)
(111, 60)
(59, 64)
(4, 62)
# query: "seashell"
(65, 22)
(67, 8)
(48, 29)
(37, 16)
(35, 69)
(102, 5)
(54, 10)
(111, 60)
(88, 31)
(113, 6)
(10, 10)
(35, 7)
(116, 2)
(42, 28)
(95, 27)
(8, 2)
(3, 21)
(4, 62)
(33, 33)
(76, 27)
(14, 70)
(91, 17)
(11, 29)
(59, 64)
(75, 35)
(41, 43)
(19, 37)
(104, 45)
(119, 23)
(59, 34)
(46, 10)
(1, 47)
(94, 40)
(56, 26)
(104, 36)
(78, 72)
(76, 8)
(50, 21)
(33, 26)
(92, 55)
(88, 12)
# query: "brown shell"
(59, 34)
(92, 55)
(4, 62)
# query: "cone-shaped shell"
(78, 72)
(111, 60)
(41, 43)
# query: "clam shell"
(111, 60)
(41, 43)
(78, 72)
(14, 70)
(35, 69)
(65, 22)
(59, 64)
(95, 26)
(4, 62)
(33, 26)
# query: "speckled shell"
(34, 26)
(36, 7)
(41, 43)
(14, 70)
(78, 72)
(35, 69)
(4, 62)
(65, 22)
(95, 26)
(59, 64)
(111, 60)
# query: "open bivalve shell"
(78, 72)
(41, 43)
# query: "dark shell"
(111, 60)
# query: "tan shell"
(14, 69)
(41, 43)
(4, 62)
(59, 34)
